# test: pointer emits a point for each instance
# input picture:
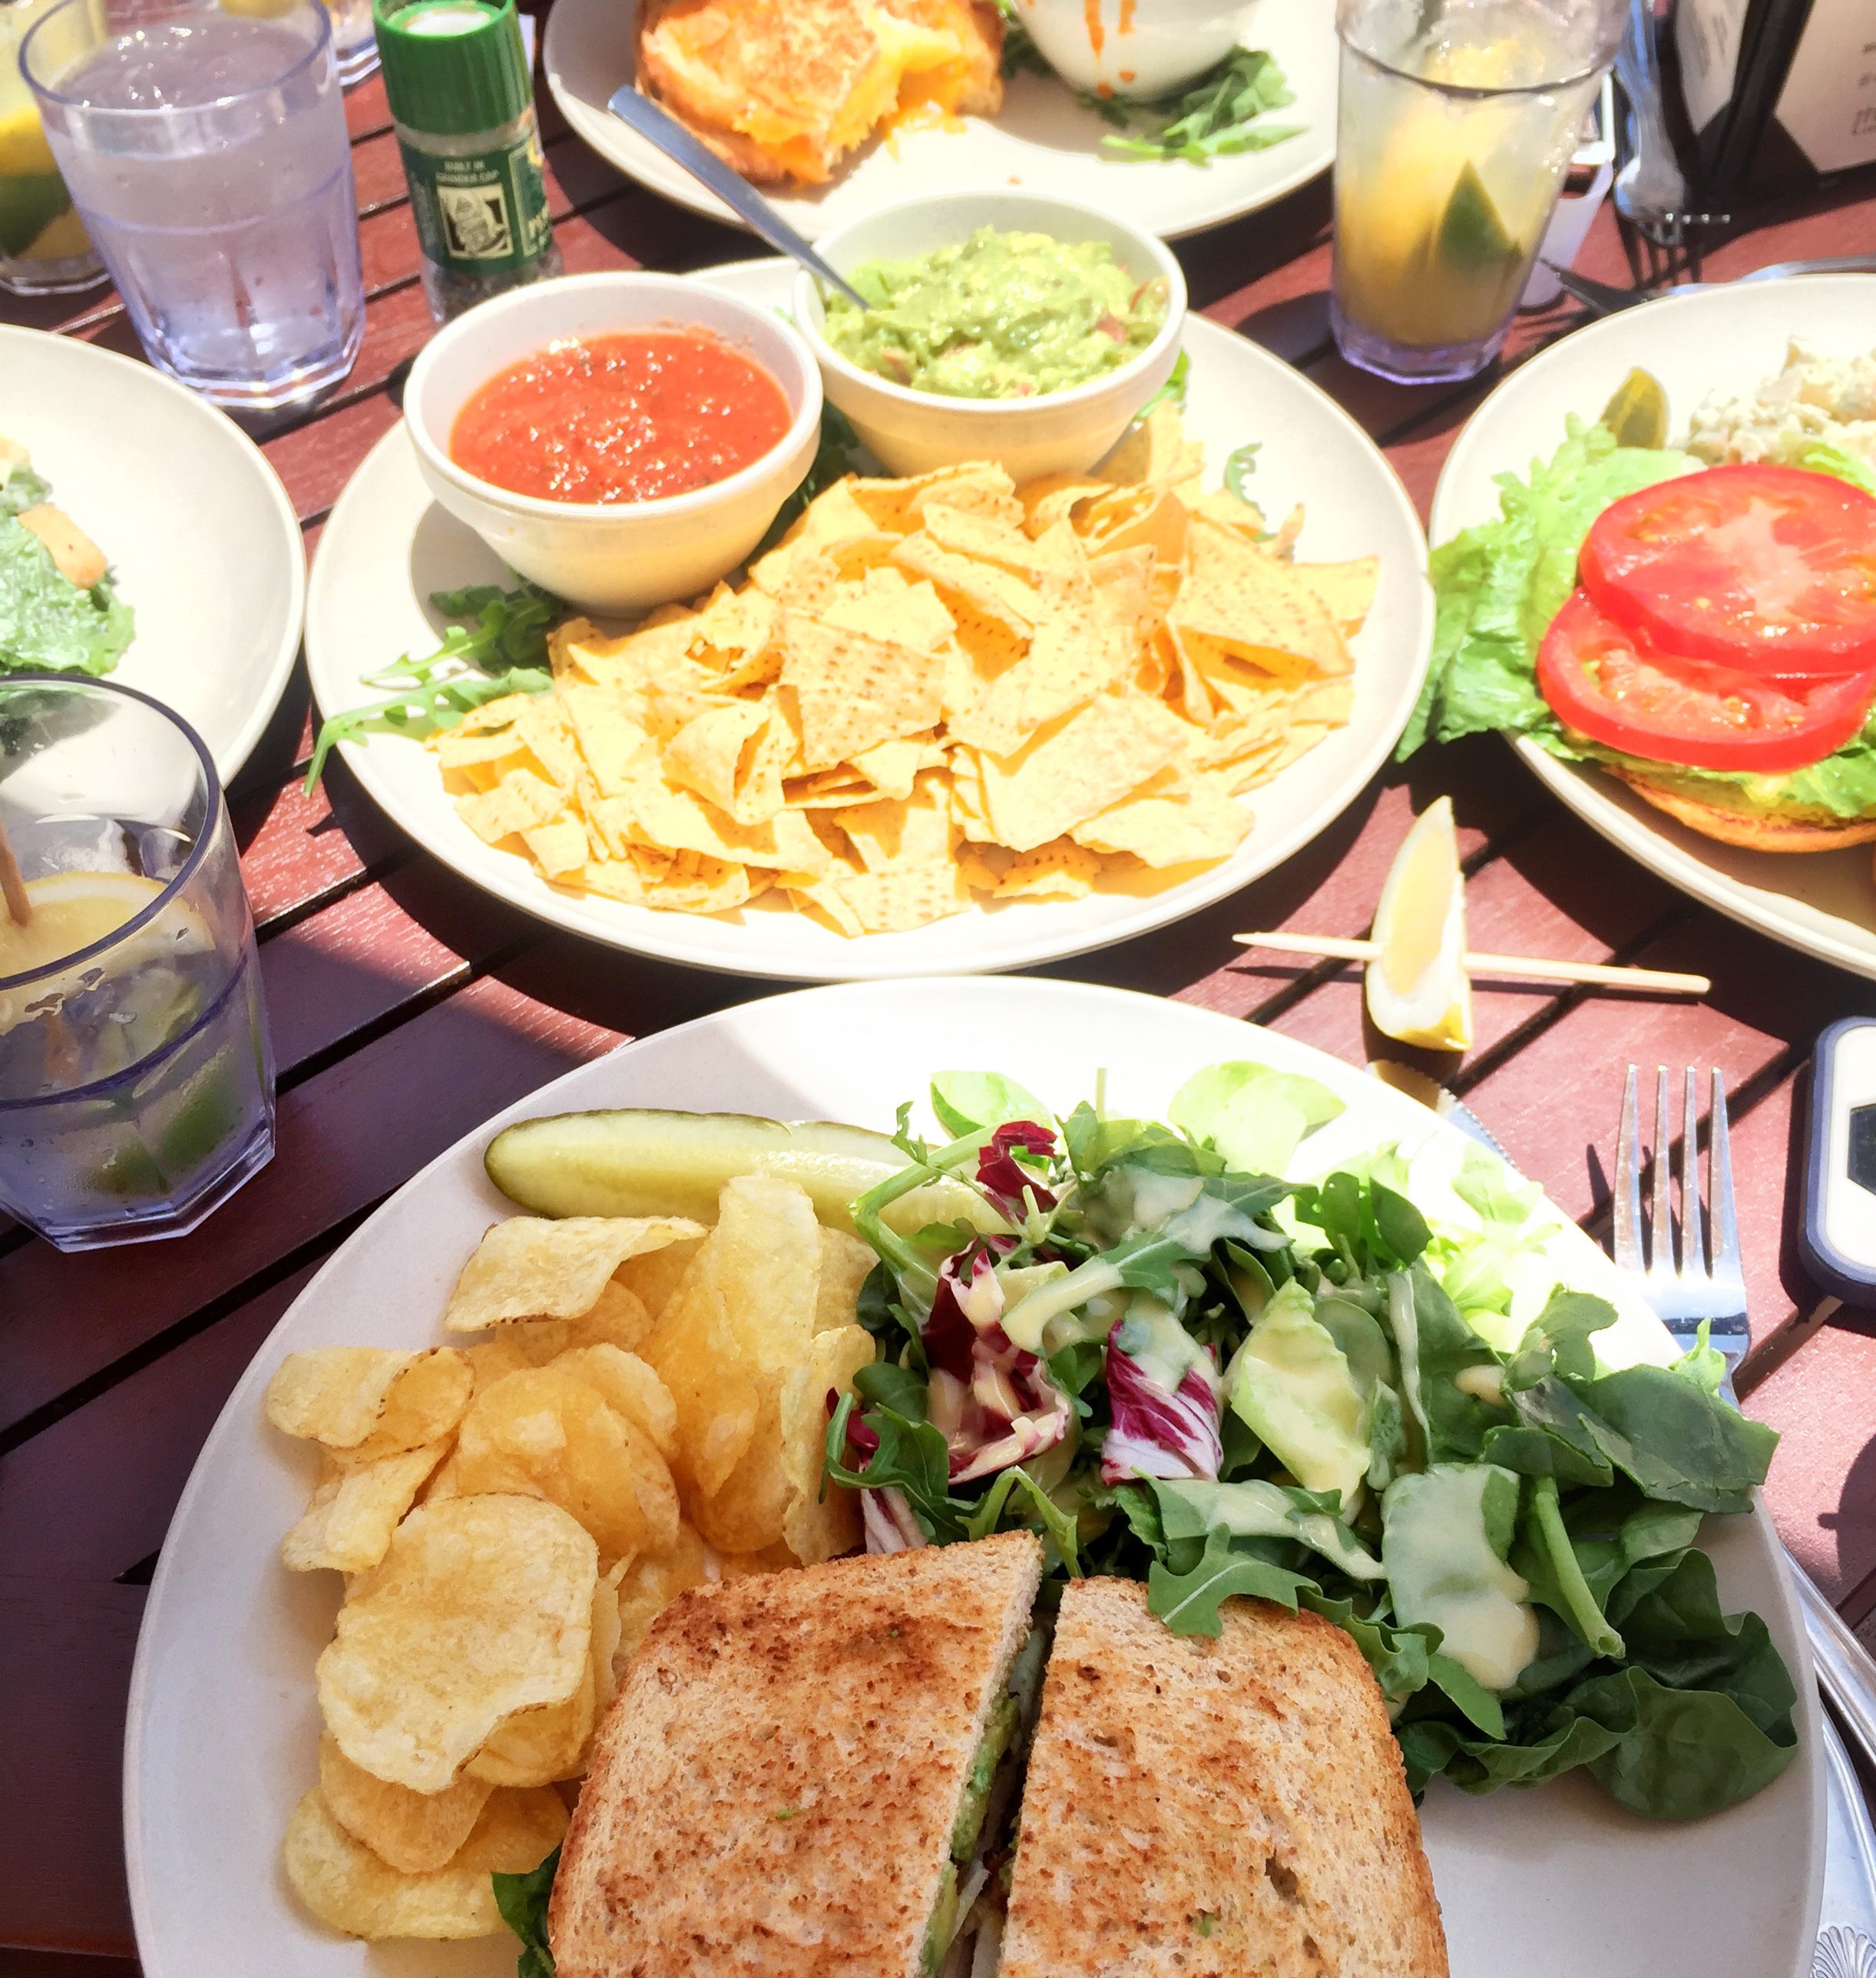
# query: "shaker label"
(481, 214)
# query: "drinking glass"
(1458, 121)
(136, 1078)
(355, 39)
(43, 249)
(206, 149)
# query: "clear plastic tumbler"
(205, 147)
(136, 1080)
(1456, 124)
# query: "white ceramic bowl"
(611, 557)
(1146, 49)
(1056, 432)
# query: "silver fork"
(1605, 298)
(1705, 1284)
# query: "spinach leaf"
(1436, 1346)
(522, 1900)
(1676, 1440)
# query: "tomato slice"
(1769, 569)
(1605, 684)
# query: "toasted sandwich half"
(794, 1778)
(1227, 1808)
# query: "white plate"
(1822, 903)
(1554, 1883)
(204, 542)
(1042, 139)
(386, 547)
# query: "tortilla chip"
(1076, 766)
(856, 690)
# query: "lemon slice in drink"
(70, 911)
(1417, 989)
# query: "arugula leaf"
(1172, 392)
(1240, 464)
(884, 1385)
(1258, 1509)
(1020, 52)
(522, 1900)
(47, 623)
(497, 646)
(911, 1457)
(1217, 115)
(1188, 1602)
(1057, 1524)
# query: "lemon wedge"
(1417, 989)
(71, 911)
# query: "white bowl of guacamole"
(1009, 327)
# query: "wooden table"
(406, 1007)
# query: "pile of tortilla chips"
(931, 689)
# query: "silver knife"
(1847, 1933)
(657, 125)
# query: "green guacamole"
(999, 316)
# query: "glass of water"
(136, 1080)
(355, 39)
(204, 146)
(1458, 119)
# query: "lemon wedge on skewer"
(70, 911)
(1418, 992)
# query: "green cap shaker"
(455, 73)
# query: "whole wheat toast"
(1215, 1809)
(774, 1788)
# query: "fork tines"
(1650, 1248)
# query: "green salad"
(1376, 1395)
(47, 622)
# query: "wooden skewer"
(1527, 967)
(13, 886)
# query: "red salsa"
(627, 418)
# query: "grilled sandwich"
(798, 1774)
(787, 91)
(1214, 1809)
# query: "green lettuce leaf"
(523, 1902)
(47, 623)
(1497, 585)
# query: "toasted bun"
(1215, 1809)
(1757, 831)
(773, 1790)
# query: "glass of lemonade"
(1458, 119)
(136, 1078)
(43, 247)
(205, 149)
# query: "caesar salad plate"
(387, 546)
(1043, 139)
(1555, 1882)
(1729, 340)
(203, 541)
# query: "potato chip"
(629, 1384)
(846, 1263)
(650, 1584)
(368, 1400)
(606, 1630)
(815, 1525)
(349, 1888)
(547, 1433)
(347, 1527)
(725, 1566)
(412, 1832)
(482, 1607)
(697, 1356)
(654, 1274)
(535, 1747)
(748, 1510)
(618, 1319)
(532, 1267)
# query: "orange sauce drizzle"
(1091, 13)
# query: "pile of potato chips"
(646, 1411)
(933, 689)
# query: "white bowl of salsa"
(1054, 428)
(622, 439)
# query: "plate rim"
(674, 943)
(1640, 835)
(238, 1406)
(279, 668)
(629, 158)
